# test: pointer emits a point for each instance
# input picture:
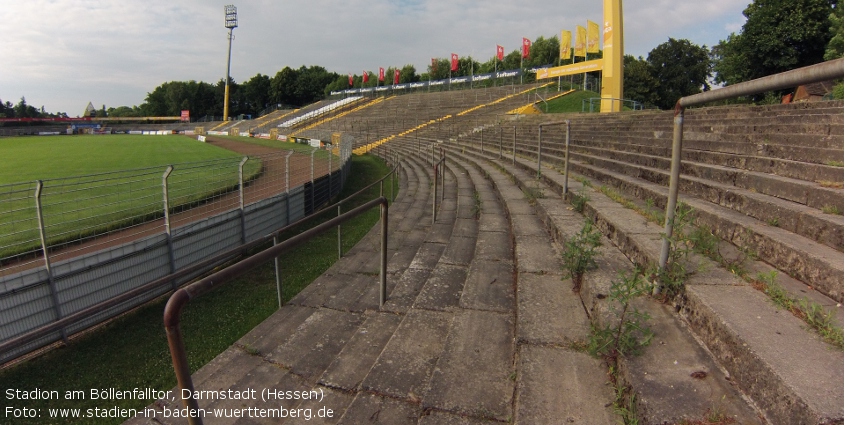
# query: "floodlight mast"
(231, 23)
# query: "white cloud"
(63, 53)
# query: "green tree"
(282, 86)
(639, 83)
(778, 35)
(680, 68)
(835, 45)
(256, 92)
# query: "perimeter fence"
(69, 244)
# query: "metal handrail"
(180, 298)
(825, 71)
(439, 173)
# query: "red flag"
(366, 76)
(396, 77)
(454, 61)
(433, 64)
(526, 47)
(350, 79)
(500, 52)
(381, 74)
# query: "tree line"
(778, 35)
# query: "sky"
(61, 54)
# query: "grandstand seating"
(481, 326)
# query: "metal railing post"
(566, 161)
(339, 240)
(675, 174)
(277, 268)
(443, 176)
(241, 197)
(382, 295)
(513, 151)
(42, 232)
(434, 198)
(482, 141)
(539, 149)
(500, 142)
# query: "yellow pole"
(613, 57)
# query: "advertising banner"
(565, 44)
(381, 74)
(435, 83)
(500, 52)
(580, 42)
(592, 37)
(454, 62)
(526, 47)
(186, 116)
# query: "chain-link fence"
(68, 244)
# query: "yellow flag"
(592, 37)
(580, 41)
(565, 44)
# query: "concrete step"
(813, 263)
(549, 317)
(655, 404)
(745, 332)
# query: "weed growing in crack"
(533, 194)
(832, 209)
(628, 333)
(579, 200)
(675, 273)
(579, 253)
(477, 204)
(810, 312)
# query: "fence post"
(167, 229)
(277, 267)
(566, 162)
(330, 174)
(54, 293)
(313, 207)
(241, 197)
(513, 150)
(287, 187)
(482, 141)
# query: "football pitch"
(50, 157)
(100, 183)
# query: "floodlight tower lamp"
(231, 23)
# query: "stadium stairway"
(471, 331)
(785, 369)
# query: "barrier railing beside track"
(86, 281)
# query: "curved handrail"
(180, 298)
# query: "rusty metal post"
(382, 296)
(539, 149)
(566, 161)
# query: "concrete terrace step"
(684, 401)
(792, 204)
(765, 350)
(549, 318)
(818, 264)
